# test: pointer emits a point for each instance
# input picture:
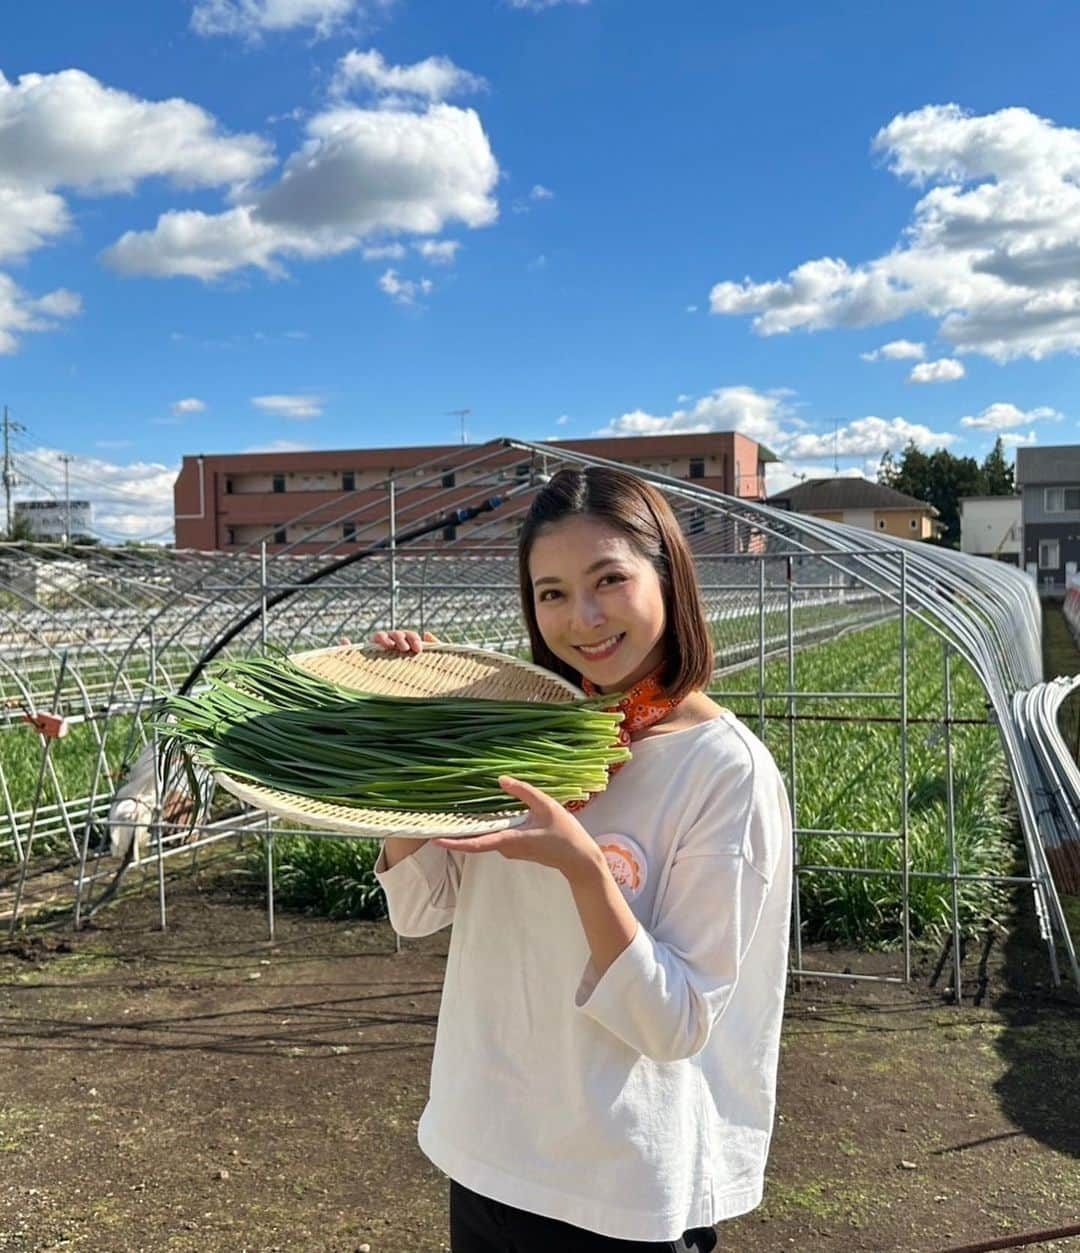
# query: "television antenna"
(462, 414)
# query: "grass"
(847, 777)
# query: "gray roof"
(1059, 463)
(831, 495)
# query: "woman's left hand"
(550, 836)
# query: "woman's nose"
(586, 613)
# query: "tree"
(998, 477)
(943, 480)
(887, 470)
(20, 531)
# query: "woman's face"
(599, 604)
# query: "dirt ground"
(204, 1089)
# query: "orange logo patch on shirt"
(627, 863)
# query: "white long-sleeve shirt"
(640, 1103)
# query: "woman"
(604, 1071)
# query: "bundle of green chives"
(268, 721)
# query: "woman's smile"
(602, 651)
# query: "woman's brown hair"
(636, 509)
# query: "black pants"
(480, 1225)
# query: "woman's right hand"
(403, 641)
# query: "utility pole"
(67, 459)
(10, 479)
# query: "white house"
(990, 527)
(53, 519)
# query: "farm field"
(847, 778)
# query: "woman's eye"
(618, 578)
(547, 594)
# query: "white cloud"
(431, 80)
(190, 404)
(21, 313)
(279, 445)
(251, 18)
(1016, 440)
(297, 408)
(866, 437)
(562, 420)
(725, 409)
(992, 253)
(30, 218)
(944, 370)
(896, 350)
(404, 290)
(540, 192)
(359, 173)
(69, 130)
(1002, 416)
(438, 251)
(384, 252)
(538, 6)
(128, 501)
(768, 417)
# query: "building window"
(1061, 499)
(280, 536)
(348, 481)
(914, 524)
(449, 533)
(697, 467)
(1049, 554)
(279, 482)
(348, 531)
(521, 470)
(228, 487)
(697, 522)
(449, 479)
(230, 535)
(881, 524)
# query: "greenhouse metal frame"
(92, 638)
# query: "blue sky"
(238, 224)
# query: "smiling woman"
(625, 1024)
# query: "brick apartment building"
(230, 501)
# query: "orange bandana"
(642, 705)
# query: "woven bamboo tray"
(438, 670)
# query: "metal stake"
(156, 823)
(45, 750)
(905, 852)
(950, 821)
(393, 556)
(796, 921)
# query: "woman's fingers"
(403, 641)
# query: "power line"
(98, 532)
(101, 491)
